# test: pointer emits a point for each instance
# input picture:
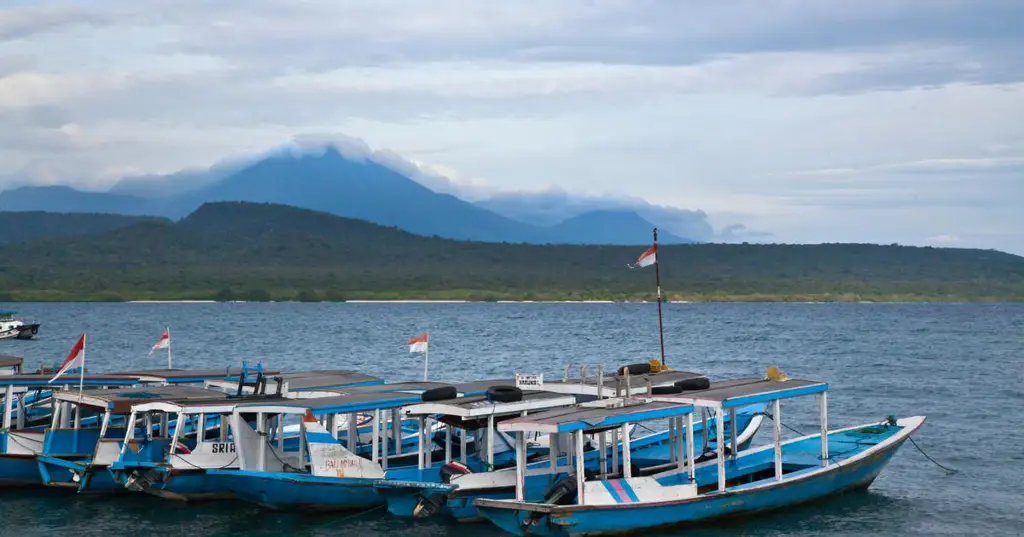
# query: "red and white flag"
(418, 343)
(75, 358)
(162, 343)
(648, 258)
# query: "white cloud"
(813, 120)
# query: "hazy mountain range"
(357, 184)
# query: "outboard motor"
(433, 503)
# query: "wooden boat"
(20, 441)
(770, 477)
(11, 328)
(450, 490)
(176, 468)
(77, 456)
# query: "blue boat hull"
(18, 471)
(178, 484)
(302, 492)
(624, 518)
(651, 451)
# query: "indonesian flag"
(163, 342)
(648, 258)
(75, 358)
(418, 343)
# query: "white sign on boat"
(529, 381)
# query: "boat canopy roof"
(7, 313)
(476, 406)
(596, 416)
(479, 387)
(122, 401)
(223, 405)
(43, 381)
(186, 376)
(340, 404)
(311, 380)
(638, 383)
(741, 392)
(7, 360)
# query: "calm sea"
(961, 365)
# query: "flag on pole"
(648, 258)
(162, 343)
(75, 358)
(418, 343)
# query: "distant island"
(256, 252)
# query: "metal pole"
(657, 279)
(168, 347)
(689, 447)
(777, 438)
(627, 456)
(520, 466)
(720, 445)
(732, 433)
(824, 428)
(580, 474)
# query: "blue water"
(961, 365)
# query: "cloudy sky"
(818, 121)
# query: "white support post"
(396, 430)
(78, 416)
(261, 427)
(553, 451)
(627, 455)
(720, 448)
(705, 434)
(222, 425)
(463, 439)
(680, 456)
(22, 410)
(164, 426)
(447, 444)
(147, 422)
(129, 434)
(428, 449)
(690, 448)
(353, 433)
(9, 406)
(384, 451)
(302, 442)
(105, 424)
(615, 451)
(824, 428)
(734, 442)
(777, 438)
(580, 474)
(520, 466)
(280, 431)
(421, 441)
(201, 428)
(176, 437)
(375, 436)
(602, 445)
(600, 383)
(490, 443)
(671, 439)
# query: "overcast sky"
(818, 121)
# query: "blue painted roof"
(66, 380)
(565, 420)
(741, 392)
(341, 404)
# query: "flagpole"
(168, 347)
(81, 375)
(426, 358)
(657, 279)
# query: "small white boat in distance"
(11, 328)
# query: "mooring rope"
(949, 471)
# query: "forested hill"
(18, 226)
(259, 251)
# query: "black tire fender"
(440, 394)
